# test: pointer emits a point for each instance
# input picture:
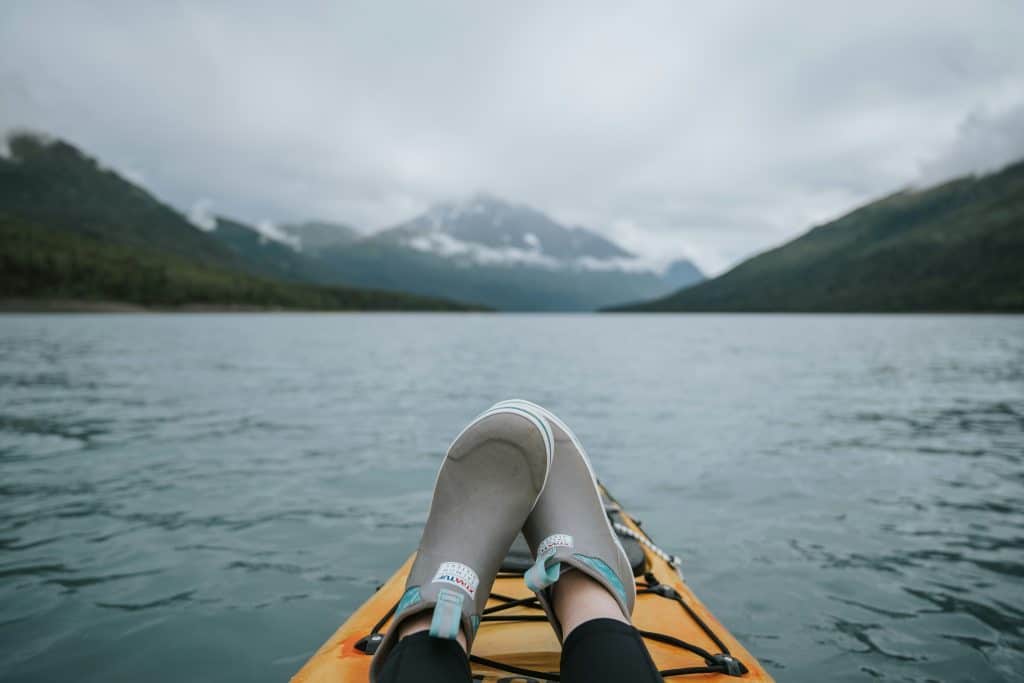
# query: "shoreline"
(111, 306)
(42, 306)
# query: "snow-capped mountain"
(482, 251)
(488, 231)
(510, 256)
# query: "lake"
(207, 497)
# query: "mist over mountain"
(497, 253)
(261, 253)
(312, 236)
(484, 251)
(74, 228)
(487, 229)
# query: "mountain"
(74, 231)
(312, 236)
(51, 183)
(955, 247)
(53, 269)
(485, 251)
(261, 254)
(487, 230)
(496, 253)
(681, 273)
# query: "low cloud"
(711, 130)
(201, 214)
(985, 141)
(269, 230)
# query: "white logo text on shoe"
(459, 575)
(553, 542)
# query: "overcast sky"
(711, 130)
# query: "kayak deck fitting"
(515, 641)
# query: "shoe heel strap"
(447, 615)
(541, 574)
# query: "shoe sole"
(529, 411)
(548, 415)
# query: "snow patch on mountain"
(487, 231)
(445, 245)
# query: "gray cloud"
(713, 131)
(985, 141)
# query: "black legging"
(599, 651)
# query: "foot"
(489, 482)
(568, 530)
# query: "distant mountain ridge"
(958, 246)
(74, 231)
(312, 236)
(490, 229)
(262, 254)
(484, 251)
(509, 256)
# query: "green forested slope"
(37, 262)
(51, 183)
(72, 230)
(262, 256)
(955, 247)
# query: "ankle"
(417, 623)
(577, 599)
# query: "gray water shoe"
(489, 482)
(569, 529)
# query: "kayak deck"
(515, 642)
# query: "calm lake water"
(207, 497)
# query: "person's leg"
(488, 483)
(601, 645)
(578, 598)
(607, 651)
(421, 622)
(421, 658)
(581, 575)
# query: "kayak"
(515, 643)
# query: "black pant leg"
(607, 651)
(421, 659)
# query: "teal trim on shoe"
(447, 615)
(540, 576)
(605, 571)
(409, 598)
